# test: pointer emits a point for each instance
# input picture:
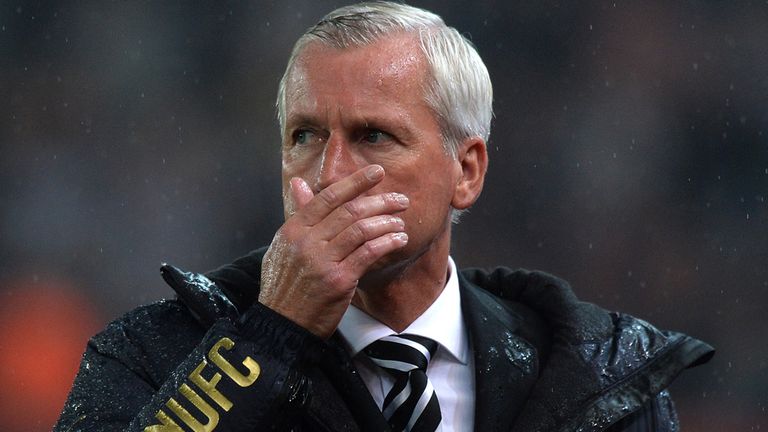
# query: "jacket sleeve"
(242, 376)
(658, 415)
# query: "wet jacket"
(214, 359)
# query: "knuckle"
(358, 231)
(327, 196)
(353, 209)
(333, 278)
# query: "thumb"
(301, 193)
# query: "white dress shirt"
(451, 371)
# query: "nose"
(338, 161)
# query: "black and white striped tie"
(412, 404)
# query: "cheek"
(298, 157)
(295, 167)
(432, 176)
(289, 164)
(430, 195)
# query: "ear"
(472, 157)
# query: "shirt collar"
(442, 322)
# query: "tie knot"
(402, 353)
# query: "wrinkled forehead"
(393, 62)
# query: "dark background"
(629, 155)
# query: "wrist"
(261, 321)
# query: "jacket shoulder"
(602, 365)
(151, 339)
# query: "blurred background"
(629, 155)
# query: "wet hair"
(458, 88)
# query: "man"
(355, 317)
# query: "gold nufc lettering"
(208, 386)
(242, 380)
(167, 424)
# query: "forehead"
(393, 67)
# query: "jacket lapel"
(506, 364)
(337, 366)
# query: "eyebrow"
(392, 123)
(301, 119)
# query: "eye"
(376, 137)
(304, 137)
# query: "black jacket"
(214, 359)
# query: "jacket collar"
(506, 364)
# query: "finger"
(358, 209)
(340, 192)
(363, 231)
(301, 193)
(358, 262)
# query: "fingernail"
(399, 222)
(401, 236)
(401, 199)
(374, 172)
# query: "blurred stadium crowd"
(629, 155)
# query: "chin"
(395, 264)
(389, 267)
(390, 262)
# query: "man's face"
(346, 109)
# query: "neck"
(397, 295)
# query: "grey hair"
(458, 90)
